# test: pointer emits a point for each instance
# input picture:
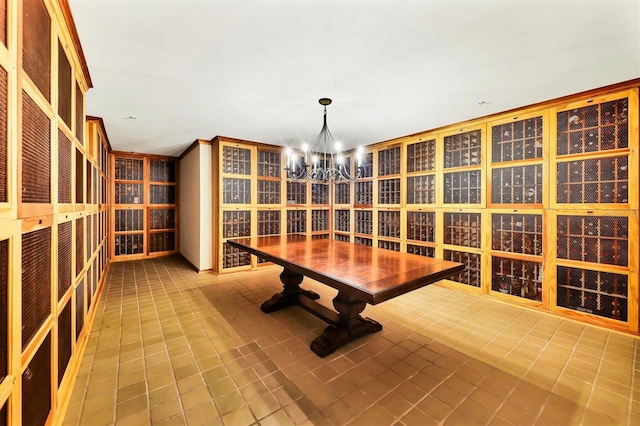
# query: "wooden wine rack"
(54, 197)
(490, 193)
(144, 206)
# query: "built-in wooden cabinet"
(594, 195)
(144, 204)
(53, 211)
(540, 204)
(249, 198)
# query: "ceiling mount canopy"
(327, 161)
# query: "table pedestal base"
(335, 336)
(346, 324)
(290, 293)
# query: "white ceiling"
(254, 70)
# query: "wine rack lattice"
(516, 277)
(421, 156)
(471, 275)
(236, 161)
(236, 191)
(421, 226)
(462, 229)
(268, 222)
(296, 221)
(519, 140)
(517, 233)
(364, 222)
(592, 128)
(296, 193)
(599, 293)
(389, 224)
(464, 149)
(421, 189)
(598, 239)
(519, 185)
(462, 187)
(389, 161)
(596, 180)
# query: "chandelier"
(323, 161)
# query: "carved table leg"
(290, 293)
(350, 326)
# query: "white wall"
(206, 206)
(195, 207)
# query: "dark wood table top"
(371, 273)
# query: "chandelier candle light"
(327, 162)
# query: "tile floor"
(170, 346)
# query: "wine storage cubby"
(421, 250)
(363, 241)
(605, 294)
(421, 189)
(364, 193)
(471, 276)
(389, 161)
(463, 187)
(129, 244)
(236, 223)
(389, 191)
(162, 171)
(463, 229)
(129, 169)
(342, 193)
(269, 163)
(517, 140)
(162, 194)
(596, 127)
(319, 220)
(363, 222)
(594, 180)
(389, 224)
(594, 239)
(161, 241)
(268, 192)
(296, 221)
(463, 149)
(517, 185)
(129, 193)
(389, 245)
(319, 193)
(342, 237)
(269, 222)
(342, 220)
(162, 218)
(236, 160)
(236, 191)
(233, 257)
(421, 156)
(129, 220)
(421, 226)
(296, 193)
(517, 233)
(516, 277)
(366, 165)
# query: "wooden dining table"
(361, 274)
